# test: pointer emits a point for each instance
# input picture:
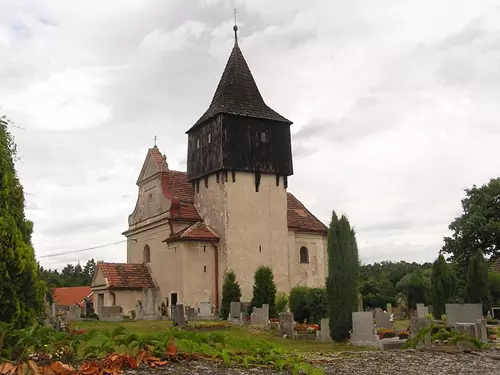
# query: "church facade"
(229, 211)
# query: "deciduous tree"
(477, 228)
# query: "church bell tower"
(239, 160)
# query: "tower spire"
(235, 27)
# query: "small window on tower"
(263, 136)
(197, 143)
(204, 268)
(209, 138)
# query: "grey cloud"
(389, 115)
(81, 226)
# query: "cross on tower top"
(155, 140)
(235, 27)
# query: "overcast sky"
(395, 107)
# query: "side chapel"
(229, 211)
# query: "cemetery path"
(412, 362)
(391, 362)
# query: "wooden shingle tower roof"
(238, 94)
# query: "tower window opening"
(204, 268)
(197, 143)
(260, 248)
(263, 137)
(304, 255)
(209, 137)
(146, 256)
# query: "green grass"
(236, 332)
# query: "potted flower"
(403, 335)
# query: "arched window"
(304, 255)
(146, 256)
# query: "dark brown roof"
(126, 275)
(301, 219)
(196, 232)
(238, 94)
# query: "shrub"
(231, 292)
(264, 289)
(299, 303)
(318, 305)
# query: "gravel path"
(391, 362)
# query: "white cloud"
(395, 107)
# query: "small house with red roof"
(70, 296)
(229, 211)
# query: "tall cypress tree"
(442, 285)
(21, 290)
(231, 292)
(477, 280)
(342, 281)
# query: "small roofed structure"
(123, 284)
(69, 296)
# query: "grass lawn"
(237, 332)
(401, 324)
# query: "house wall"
(199, 273)
(314, 273)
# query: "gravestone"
(110, 313)
(235, 310)
(463, 313)
(179, 318)
(265, 313)
(324, 333)
(468, 329)
(260, 315)
(481, 330)
(286, 324)
(191, 314)
(382, 320)
(418, 324)
(205, 309)
(422, 310)
(363, 329)
(74, 313)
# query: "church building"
(229, 211)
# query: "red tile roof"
(301, 219)
(70, 296)
(196, 232)
(180, 187)
(126, 275)
(160, 160)
(187, 212)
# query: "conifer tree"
(442, 285)
(21, 290)
(264, 289)
(477, 280)
(342, 281)
(231, 292)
